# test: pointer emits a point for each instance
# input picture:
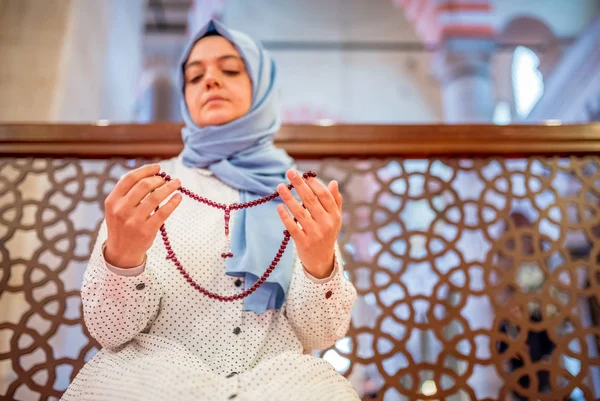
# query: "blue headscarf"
(241, 154)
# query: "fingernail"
(292, 174)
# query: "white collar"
(202, 171)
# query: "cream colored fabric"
(162, 338)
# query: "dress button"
(238, 282)
(329, 294)
(237, 331)
(140, 286)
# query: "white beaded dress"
(163, 340)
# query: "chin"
(216, 118)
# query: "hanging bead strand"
(227, 254)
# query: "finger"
(141, 190)
(163, 212)
(128, 181)
(334, 188)
(308, 197)
(297, 210)
(157, 197)
(323, 194)
(289, 223)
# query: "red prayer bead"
(227, 209)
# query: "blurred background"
(340, 61)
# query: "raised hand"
(133, 215)
(319, 221)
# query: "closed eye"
(197, 78)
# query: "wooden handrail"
(163, 140)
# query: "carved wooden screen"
(478, 278)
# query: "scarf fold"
(242, 154)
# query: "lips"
(213, 98)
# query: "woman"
(151, 300)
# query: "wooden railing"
(464, 243)
(163, 140)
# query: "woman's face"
(217, 86)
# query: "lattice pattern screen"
(478, 279)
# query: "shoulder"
(169, 166)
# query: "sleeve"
(117, 303)
(320, 310)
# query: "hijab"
(241, 153)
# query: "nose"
(211, 79)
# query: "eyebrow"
(222, 58)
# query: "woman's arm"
(319, 310)
(117, 303)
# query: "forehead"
(211, 48)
